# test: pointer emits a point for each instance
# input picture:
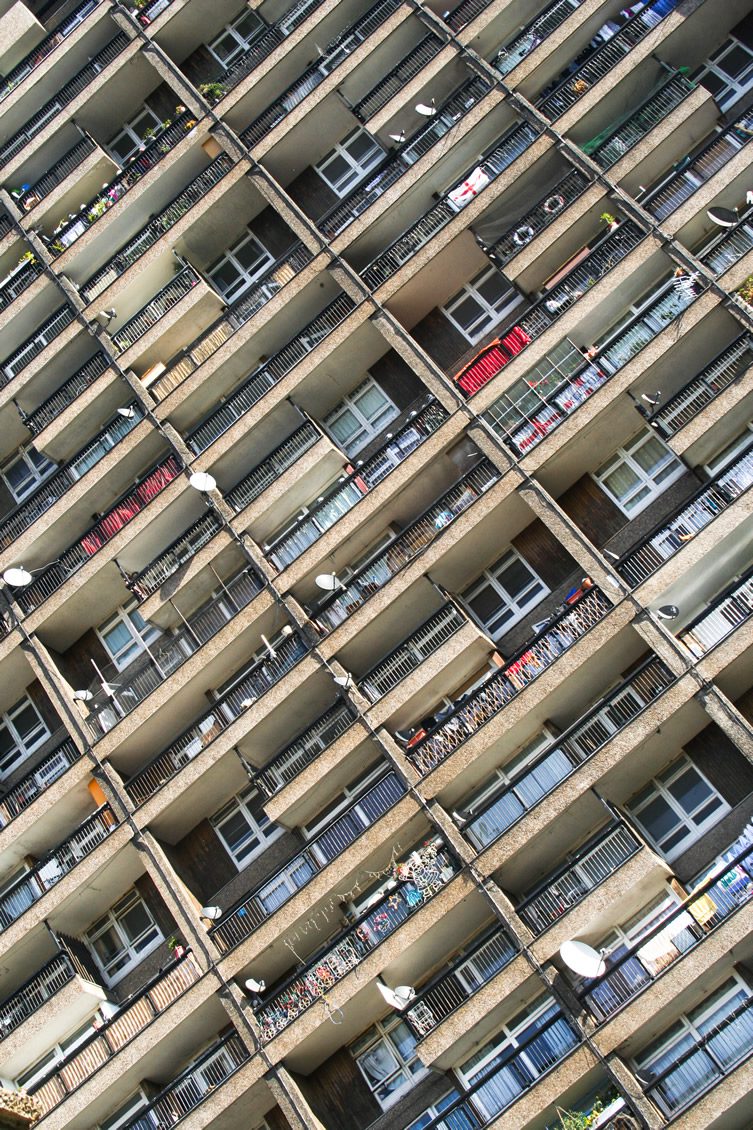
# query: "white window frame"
(131, 950)
(141, 637)
(346, 797)
(23, 746)
(359, 168)
(134, 131)
(245, 277)
(536, 591)
(380, 1035)
(263, 831)
(242, 42)
(38, 467)
(56, 1054)
(659, 788)
(507, 774)
(668, 471)
(125, 1112)
(489, 314)
(436, 1109)
(742, 441)
(733, 88)
(369, 426)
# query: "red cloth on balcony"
(488, 362)
(516, 340)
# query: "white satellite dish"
(582, 959)
(327, 581)
(399, 997)
(17, 576)
(202, 481)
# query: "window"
(481, 304)
(123, 936)
(728, 73)
(677, 807)
(123, 1115)
(503, 594)
(53, 1056)
(639, 472)
(25, 471)
(235, 271)
(133, 134)
(732, 451)
(350, 161)
(244, 827)
(360, 416)
(22, 730)
(386, 1057)
(234, 39)
(438, 1108)
(127, 635)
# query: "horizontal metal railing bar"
(45, 48)
(177, 554)
(35, 992)
(61, 169)
(408, 656)
(285, 766)
(712, 380)
(21, 281)
(392, 83)
(621, 139)
(533, 34)
(19, 796)
(67, 394)
(252, 485)
(159, 305)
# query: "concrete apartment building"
(376, 532)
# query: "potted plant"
(745, 291)
(610, 220)
(175, 946)
(212, 91)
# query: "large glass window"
(123, 1115)
(481, 304)
(677, 807)
(123, 936)
(458, 1121)
(360, 416)
(728, 73)
(350, 161)
(53, 1056)
(133, 134)
(235, 271)
(126, 635)
(386, 1057)
(235, 37)
(244, 827)
(503, 594)
(25, 471)
(639, 472)
(22, 730)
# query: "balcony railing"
(5, 225)
(488, 821)
(151, 11)
(346, 211)
(420, 878)
(352, 488)
(134, 1016)
(533, 34)
(602, 61)
(270, 469)
(56, 864)
(156, 228)
(43, 50)
(145, 159)
(523, 423)
(19, 281)
(90, 543)
(727, 367)
(256, 908)
(707, 1060)
(726, 250)
(730, 609)
(257, 680)
(474, 709)
(374, 574)
(530, 224)
(156, 308)
(34, 345)
(335, 53)
(394, 81)
(492, 164)
(591, 866)
(269, 374)
(408, 656)
(64, 96)
(129, 687)
(19, 796)
(618, 139)
(678, 931)
(56, 486)
(453, 987)
(35, 993)
(176, 555)
(67, 394)
(668, 537)
(285, 766)
(663, 200)
(56, 174)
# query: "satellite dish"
(211, 912)
(255, 986)
(668, 612)
(327, 581)
(17, 576)
(399, 997)
(202, 481)
(582, 959)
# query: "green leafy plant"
(578, 1119)
(212, 91)
(608, 218)
(28, 257)
(745, 290)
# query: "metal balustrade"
(18, 281)
(65, 95)
(151, 11)
(45, 48)
(56, 174)
(424, 876)
(492, 163)
(148, 155)
(57, 485)
(191, 195)
(35, 993)
(717, 376)
(731, 608)
(350, 489)
(18, 797)
(591, 866)
(374, 574)
(465, 11)
(476, 707)
(5, 225)
(40, 878)
(336, 219)
(603, 60)
(127, 688)
(72, 559)
(703, 1061)
(451, 988)
(180, 551)
(488, 821)
(728, 249)
(679, 930)
(156, 308)
(134, 1015)
(669, 536)
(257, 680)
(34, 345)
(273, 466)
(408, 656)
(531, 223)
(617, 140)
(395, 79)
(253, 909)
(239, 402)
(335, 53)
(694, 171)
(264, 44)
(49, 410)
(285, 766)
(534, 34)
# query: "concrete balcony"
(148, 321)
(16, 799)
(531, 37)
(38, 347)
(38, 56)
(681, 409)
